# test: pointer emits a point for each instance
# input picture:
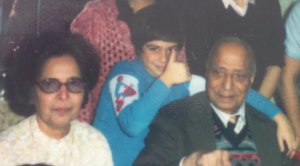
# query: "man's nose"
(228, 82)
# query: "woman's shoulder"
(89, 140)
(87, 134)
(17, 132)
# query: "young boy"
(136, 90)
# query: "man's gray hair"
(233, 39)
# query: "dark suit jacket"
(186, 126)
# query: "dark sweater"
(241, 147)
(262, 27)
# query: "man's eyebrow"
(217, 67)
(237, 70)
(242, 70)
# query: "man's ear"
(252, 78)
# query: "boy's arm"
(285, 131)
(138, 112)
(270, 81)
(135, 110)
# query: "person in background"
(285, 6)
(216, 127)
(291, 70)
(258, 22)
(136, 90)
(51, 76)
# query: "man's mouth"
(226, 97)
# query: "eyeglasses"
(50, 85)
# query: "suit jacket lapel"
(201, 131)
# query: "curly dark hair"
(28, 59)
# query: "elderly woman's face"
(58, 109)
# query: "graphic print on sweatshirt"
(124, 90)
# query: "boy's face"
(155, 55)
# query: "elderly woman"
(51, 76)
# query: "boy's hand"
(175, 72)
(285, 133)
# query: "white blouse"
(24, 143)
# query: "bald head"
(230, 73)
(227, 44)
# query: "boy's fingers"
(173, 56)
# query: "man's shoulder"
(14, 133)
(180, 111)
(256, 115)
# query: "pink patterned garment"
(111, 38)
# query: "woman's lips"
(62, 110)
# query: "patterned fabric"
(24, 143)
(110, 37)
(232, 123)
(241, 147)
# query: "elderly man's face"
(229, 77)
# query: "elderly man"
(217, 127)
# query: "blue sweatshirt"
(130, 100)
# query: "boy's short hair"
(156, 23)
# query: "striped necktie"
(232, 123)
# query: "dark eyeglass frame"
(67, 84)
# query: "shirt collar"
(225, 117)
(227, 2)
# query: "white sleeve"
(197, 84)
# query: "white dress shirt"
(25, 143)
(224, 117)
(239, 10)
